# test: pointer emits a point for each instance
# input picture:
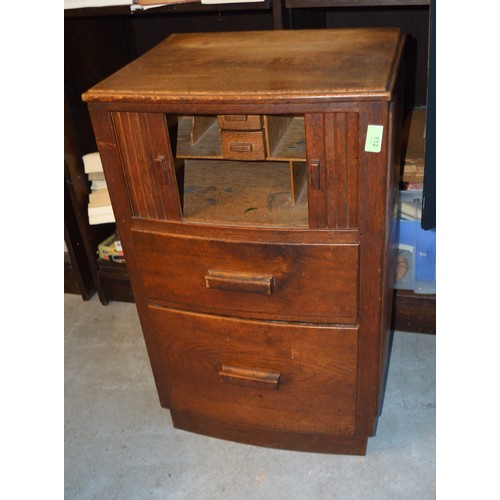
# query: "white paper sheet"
(214, 2)
(81, 4)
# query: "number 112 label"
(374, 135)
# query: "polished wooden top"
(260, 66)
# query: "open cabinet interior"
(241, 169)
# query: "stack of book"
(414, 138)
(412, 173)
(99, 207)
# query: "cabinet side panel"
(372, 227)
(392, 186)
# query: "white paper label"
(374, 135)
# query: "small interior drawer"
(276, 281)
(265, 375)
(237, 145)
(239, 122)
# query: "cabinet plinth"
(258, 229)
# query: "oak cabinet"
(253, 177)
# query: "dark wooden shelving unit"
(99, 41)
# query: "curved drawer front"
(306, 282)
(257, 375)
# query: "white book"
(96, 176)
(100, 198)
(98, 185)
(92, 163)
(101, 219)
(104, 209)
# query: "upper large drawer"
(274, 281)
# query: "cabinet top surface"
(344, 64)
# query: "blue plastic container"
(417, 250)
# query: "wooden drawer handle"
(315, 174)
(241, 147)
(250, 377)
(161, 168)
(235, 118)
(240, 282)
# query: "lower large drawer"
(257, 375)
(306, 282)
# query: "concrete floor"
(120, 444)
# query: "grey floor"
(120, 444)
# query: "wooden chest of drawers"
(256, 212)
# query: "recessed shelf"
(286, 138)
(229, 186)
(199, 137)
(206, 145)
(247, 193)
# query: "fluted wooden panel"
(332, 154)
(148, 165)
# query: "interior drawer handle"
(240, 282)
(250, 377)
(241, 147)
(235, 118)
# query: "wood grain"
(332, 65)
(373, 178)
(243, 193)
(240, 282)
(144, 145)
(199, 125)
(300, 303)
(207, 145)
(239, 145)
(304, 289)
(319, 363)
(240, 122)
(250, 377)
(332, 152)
